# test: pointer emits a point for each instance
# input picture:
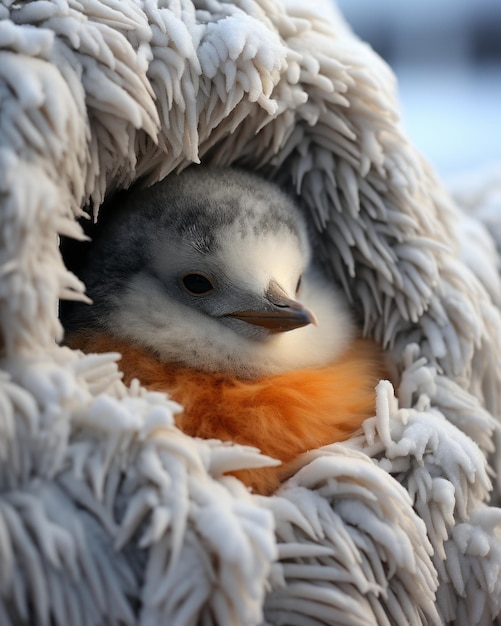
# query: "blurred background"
(447, 57)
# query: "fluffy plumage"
(283, 415)
(233, 226)
(205, 284)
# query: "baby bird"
(205, 284)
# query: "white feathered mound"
(110, 515)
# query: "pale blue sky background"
(447, 56)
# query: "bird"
(207, 285)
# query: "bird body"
(205, 285)
(283, 414)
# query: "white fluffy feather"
(115, 91)
(179, 333)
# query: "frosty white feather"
(107, 512)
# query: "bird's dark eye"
(197, 284)
(298, 286)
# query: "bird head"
(212, 269)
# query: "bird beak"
(279, 313)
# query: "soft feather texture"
(108, 512)
(283, 415)
(234, 226)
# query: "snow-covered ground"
(453, 116)
(447, 57)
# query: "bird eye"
(197, 284)
(298, 286)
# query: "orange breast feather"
(282, 415)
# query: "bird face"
(211, 269)
(248, 281)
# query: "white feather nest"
(110, 515)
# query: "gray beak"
(278, 312)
